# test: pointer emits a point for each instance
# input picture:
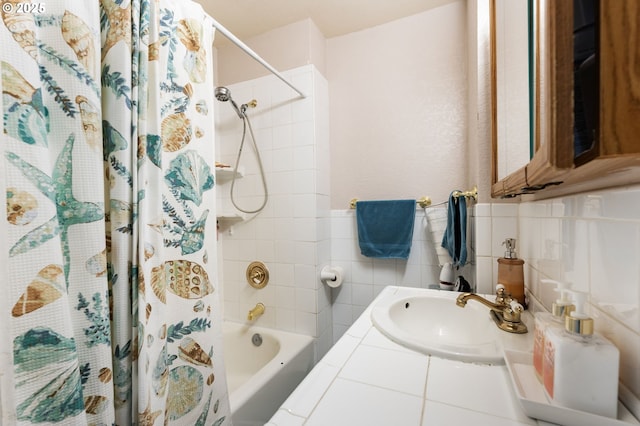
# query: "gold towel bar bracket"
(473, 193)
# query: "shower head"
(223, 95)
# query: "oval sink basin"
(429, 321)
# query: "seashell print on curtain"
(107, 167)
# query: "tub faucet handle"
(256, 311)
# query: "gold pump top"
(562, 307)
(581, 326)
(577, 322)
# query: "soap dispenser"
(544, 320)
(511, 273)
(581, 367)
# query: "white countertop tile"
(283, 418)
(389, 369)
(304, 399)
(477, 387)
(436, 413)
(349, 403)
(341, 351)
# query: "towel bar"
(472, 193)
(423, 202)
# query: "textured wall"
(399, 108)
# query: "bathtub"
(260, 378)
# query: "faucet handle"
(517, 306)
(502, 297)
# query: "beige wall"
(284, 48)
(398, 100)
(398, 108)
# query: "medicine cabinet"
(583, 97)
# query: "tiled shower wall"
(292, 234)
(590, 240)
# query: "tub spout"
(504, 312)
(256, 311)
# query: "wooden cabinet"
(559, 166)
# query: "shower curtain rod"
(228, 34)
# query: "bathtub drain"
(256, 339)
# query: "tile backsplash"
(591, 241)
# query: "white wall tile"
(504, 210)
(342, 313)
(285, 297)
(482, 210)
(614, 270)
(303, 133)
(304, 157)
(306, 323)
(362, 271)
(362, 294)
(304, 206)
(304, 182)
(304, 229)
(305, 276)
(501, 229)
(483, 237)
(286, 319)
(306, 300)
(485, 282)
(282, 137)
(342, 294)
(305, 252)
(384, 271)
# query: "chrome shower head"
(223, 95)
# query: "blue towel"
(385, 228)
(454, 239)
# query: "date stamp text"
(23, 7)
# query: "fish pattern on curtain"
(108, 153)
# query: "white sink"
(429, 321)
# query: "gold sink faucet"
(256, 311)
(505, 314)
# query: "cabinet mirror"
(583, 92)
(512, 47)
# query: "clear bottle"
(580, 367)
(544, 320)
(511, 272)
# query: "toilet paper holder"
(331, 276)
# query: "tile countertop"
(366, 379)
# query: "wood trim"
(494, 92)
(560, 83)
(619, 132)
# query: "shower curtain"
(110, 313)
